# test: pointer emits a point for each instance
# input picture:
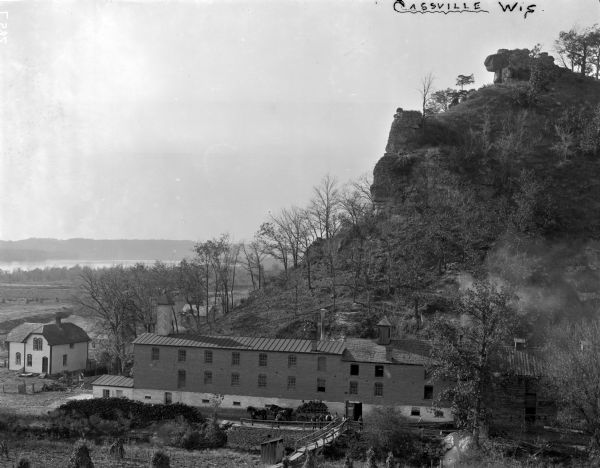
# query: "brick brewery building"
(351, 376)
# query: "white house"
(47, 348)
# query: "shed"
(271, 451)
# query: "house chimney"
(164, 316)
(322, 324)
(58, 319)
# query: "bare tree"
(274, 242)
(324, 207)
(190, 285)
(425, 91)
(106, 294)
(573, 372)
(254, 255)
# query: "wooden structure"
(271, 451)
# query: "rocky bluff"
(515, 65)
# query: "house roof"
(521, 363)
(114, 381)
(65, 333)
(403, 351)
(242, 342)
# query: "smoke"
(553, 281)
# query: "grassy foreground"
(50, 454)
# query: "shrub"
(371, 463)
(172, 432)
(310, 461)
(386, 430)
(80, 456)
(23, 463)
(214, 436)
(160, 460)
(117, 450)
(191, 440)
(312, 406)
(140, 414)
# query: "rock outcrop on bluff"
(394, 167)
(515, 65)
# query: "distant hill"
(39, 249)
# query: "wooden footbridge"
(314, 441)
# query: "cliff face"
(551, 131)
(526, 150)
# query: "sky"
(184, 120)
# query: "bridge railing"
(306, 425)
(321, 433)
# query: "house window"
(181, 355)
(320, 385)
(415, 411)
(262, 360)
(119, 393)
(180, 378)
(262, 380)
(438, 413)
(235, 359)
(64, 359)
(18, 359)
(322, 363)
(207, 377)
(71, 346)
(155, 354)
(205, 402)
(291, 382)
(237, 403)
(378, 389)
(168, 398)
(147, 397)
(37, 344)
(235, 380)
(29, 360)
(428, 392)
(353, 369)
(292, 360)
(208, 357)
(353, 390)
(378, 371)
(106, 393)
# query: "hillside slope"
(504, 184)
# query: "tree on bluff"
(580, 50)
(464, 80)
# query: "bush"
(80, 457)
(140, 414)
(386, 430)
(313, 406)
(117, 450)
(160, 460)
(214, 436)
(23, 463)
